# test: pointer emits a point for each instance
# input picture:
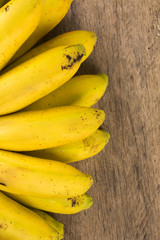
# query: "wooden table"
(126, 173)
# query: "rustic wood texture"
(126, 173)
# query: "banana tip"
(107, 135)
(89, 201)
(104, 76)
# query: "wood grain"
(126, 173)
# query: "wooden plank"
(126, 173)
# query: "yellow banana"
(38, 76)
(41, 129)
(58, 226)
(86, 38)
(83, 90)
(44, 178)
(13, 17)
(53, 12)
(77, 151)
(56, 205)
(18, 222)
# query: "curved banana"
(18, 222)
(58, 226)
(13, 17)
(84, 90)
(44, 178)
(86, 38)
(38, 76)
(41, 129)
(56, 205)
(77, 151)
(53, 12)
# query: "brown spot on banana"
(72, 60)
(3, 226)
(7, 8)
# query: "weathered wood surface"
(126, 174)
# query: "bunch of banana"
(46, 119)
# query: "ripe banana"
(38, 76)
(56, 205)
(41, 129)
(58, 226)
(44, 178)
(86, 38)
(77, 151)
(18, 222)
(13, 17)
(83, 90)
(53, 12)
